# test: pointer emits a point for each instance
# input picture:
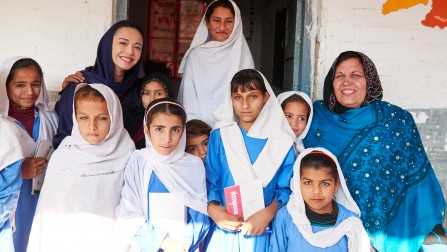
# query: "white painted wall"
(411, 58)
(61, 35)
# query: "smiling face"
(318, 188)
(165, 132)
(197, 145)
(220, 24)
(248, 105)
(296, 114)
(24, 87)
(151, 91)
(127, 46)
(93, 120)
(350, 83)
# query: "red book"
(245, 199)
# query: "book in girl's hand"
(244, 199)
(167, 213)
(44, 149)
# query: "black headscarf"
(160, 78)
(374, 91)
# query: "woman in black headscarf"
(117, 66)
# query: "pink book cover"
(234, 201)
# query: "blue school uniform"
(287, 237)
(218, 177)
(10, 182)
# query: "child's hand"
(170, 245)
(76, 77)
(224, 220)
(258, 222)
(31, 167)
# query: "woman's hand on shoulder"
(76, 77)
(31, 167)
(223, 219)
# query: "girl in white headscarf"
(297, 107)
(24, 100)
(217, 52)
(251, 142)
(321, 214)
(84, 178)
(163, 168)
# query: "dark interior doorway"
(279, 51)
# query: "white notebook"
(167, 213)
(44, 149)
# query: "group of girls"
(96, 194)
(108, 165)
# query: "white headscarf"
(48, 117)
(82, 187)
(352, 227)
(270, 124)
(299, 140)
(208, 67)
(181, 173)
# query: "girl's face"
(197, 145)
(350, 83)
(127, 46)
(165, 132)
(153, 90)
(296, 114)
(248, 106)
(318, 188)
(221, 24)
(93, 120)
(24, 87)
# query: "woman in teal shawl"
(381, 155)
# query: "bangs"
(244, 87)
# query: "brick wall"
(62, 35)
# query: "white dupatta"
(48, 117)
(299, 146)
(352, 227)
(270, 124)
(10, 151)
(82, 188)
(208, 67)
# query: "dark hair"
(219, 3)
(129, 24)
(296, 98)
(160, 78)
(319, 160)
(248, 80)
(197, 127)
(347, 55)
(23, 63)
(164, 105)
